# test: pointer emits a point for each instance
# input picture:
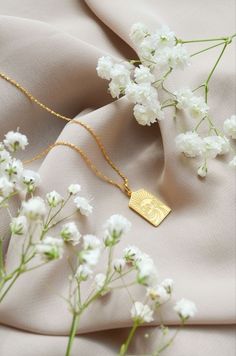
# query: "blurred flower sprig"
(32, 228)
(35, 217)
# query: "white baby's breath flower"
(147, 272)
(104, 67)
(74, 189)
(214, 145)
(118, 264)
(19, 225)
(120, 74)
(202, 170)
(54, 199)
(51, 248)
(100, 280)
(142, 74)
(114, 89)
(5, 157)
(230, 126)
(197, 107)
(31, 179)
(147, 51)
(91, 242)
(15, 140)
(6, 187)
(138, 32)
(83, 272)
(70, 233)
(164, 37)
(132, 254)
(83, 206)
(143, 93)
(185, 309)
(132, 92)
(190, 143)
(116, 226)
(168, 285)
(183, 97)
(232, 163)
(178, 57)
(158, 294)
(147, 115)
(195, 104)
(171, 57)
(90, 257)
(141, 313)
(34, 208)
(14, 169)
(225, 145)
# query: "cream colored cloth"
(52, 48)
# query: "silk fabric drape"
(52, 49)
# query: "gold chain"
(123, 187)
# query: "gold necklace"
(141, 201)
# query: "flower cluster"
(157, 293)
(159, 49)
(193, 145)
(159, 53)
(90, 251)
(133, 263)
(143, 80)
(115, 227)
(51, 248)
(14, 178)
(33, 225)
(195, 105)
(36, 215)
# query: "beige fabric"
(52, 48)
(195, 341)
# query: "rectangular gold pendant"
(148, 206)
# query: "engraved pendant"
(148, 206)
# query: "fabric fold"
(52, 49)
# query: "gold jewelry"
(141, 201)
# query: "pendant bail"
(128, 191)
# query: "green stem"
(48, 216)
(167, 90)
(73, 329)
(204, 40)
(212, 126)
(125, 346)
(200, 86)
(216, 63)
(162, 79)
(9, 286)
(123, 274)
(109, 263)
(206, 49)
(61, 220)
(50, 219)
(206, 83)
(166, 106)
(167, 344)
(2, 204)
(199, 123)
(35, 267)
(2, 270)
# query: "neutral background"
(52, 48)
